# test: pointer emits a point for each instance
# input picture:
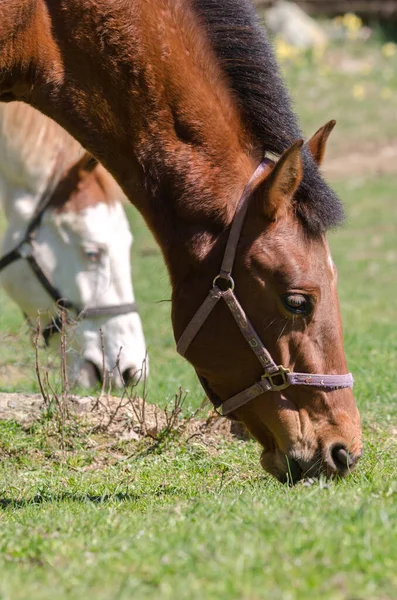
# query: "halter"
(275, 377)
(26, 250)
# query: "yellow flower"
(286, 52)
(389, 49)
(352, 22)
(359, 91)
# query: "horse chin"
(276, 464)
(299, 463)
(296, 446)
(288, 469)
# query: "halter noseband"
(275, 377)
(25, 250)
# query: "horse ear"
(318, 142)
(283, 181)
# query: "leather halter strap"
(25, 250)
(275, 377)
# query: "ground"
(89, 514)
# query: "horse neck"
(171, 135)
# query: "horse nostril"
(90, 375)
(97, 371)
(342, 459)
(129, 376)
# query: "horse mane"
(42, 146)
(248, 61)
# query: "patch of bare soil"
(370, 159)
(123, 419)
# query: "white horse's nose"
(90, 374)
(130, 376)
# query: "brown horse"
(180, 100)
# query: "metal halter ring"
(282, 373)
(229, 279)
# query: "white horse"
(77, 251)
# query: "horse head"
(286, 283)
(80, 248)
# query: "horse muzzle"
(333, 461)
(90, 375)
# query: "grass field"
(187, 520)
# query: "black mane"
(248, 60)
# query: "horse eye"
(93, 256)
(298, 304)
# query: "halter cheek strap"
(275, 377)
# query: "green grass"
(189, 523)
(185, 520)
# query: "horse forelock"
(80, 189)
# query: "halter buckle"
(282, 373)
